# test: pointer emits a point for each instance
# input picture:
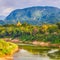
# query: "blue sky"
(6, 6)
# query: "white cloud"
(7, 11)
(6, 6)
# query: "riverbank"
(7, 50)
(45, 44)
(9, 57)
(36, 43)
(6, 58)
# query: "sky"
(6, 6)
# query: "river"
(36, 53)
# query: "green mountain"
(34, 15)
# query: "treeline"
(27, 32)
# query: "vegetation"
(7, 48)
(35, 49)
(27, 32)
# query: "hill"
(2, 22)
(34, 15)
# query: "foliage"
(27, 32)
(6, 48)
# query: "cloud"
(6, 6)
(7, 11)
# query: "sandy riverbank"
(6, 58)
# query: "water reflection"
(55, 56)
(25, 55)
(36, 53)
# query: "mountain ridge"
(36, 15)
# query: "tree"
(58, 24)
(52, 28)
(44, 28)
(19, 24)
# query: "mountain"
(2, 22)
(34, 15)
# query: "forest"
(27, 32)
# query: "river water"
(25, 55)
(32, 53)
